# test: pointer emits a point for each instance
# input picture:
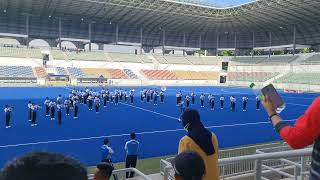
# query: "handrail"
(121, 173)
(265, 156)
(257, 159)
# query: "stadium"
(175, 47)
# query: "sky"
(220, 3)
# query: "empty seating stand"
(206, 60)
(40, 72)
(159, 74)
(160, 59)
(20, 52)
(300, 78)
(16, 72)
(117, 74)
(95, 72)
(144, 58)
(247, 60)
(315, 59)
(130, 74)
(125, 57)
(172, 59)
(76, 72)
(87, 56)
(58, 55)
(278, 60)
(61, 71)
(251, 76)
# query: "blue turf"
(159, 135)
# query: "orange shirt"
(211, 162)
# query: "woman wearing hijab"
(201, 141)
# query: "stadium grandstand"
(51, 47)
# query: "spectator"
(132, 148)
(305, 132)
(44, 165)
(106, 151)
(188, 166)
(201, 141)
(104, 171)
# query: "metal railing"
(258, 165)
(121, 174)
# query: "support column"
(270, 43)
(253, 43)
(235, 44)
(200, 41)
(141, 39)
(218, 36)
(60, 30)
(27, 30)
(89, 36)
(163, 40)
(117, 33)
(184, 43)
(294, 40)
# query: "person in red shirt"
(305, 132)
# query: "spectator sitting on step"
(201, 141)
(44, 166)
(104, 171)
(305, 132)
(188, 166)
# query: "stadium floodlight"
(4, 10)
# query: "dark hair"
(106, 141)
(189, 166)
(105, 169)
(44, 165)
(133, 135)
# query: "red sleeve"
(305, 130)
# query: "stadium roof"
(217, 3)
(258, 16)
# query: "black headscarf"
(196, 131)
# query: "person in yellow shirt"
(201, 141)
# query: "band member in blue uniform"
(257, 103)
(141, 95)
(29, 111)
(97, 104)
(211, 101)
(116, 98)
(244, 103)
(161, 96)
(202, 97)
(131, 95)
(125, 95)
(221, 102)
(46, 104)
(59, 99)
(193, 98)
(52, 109)
(76, 108)
(233, 103)
(155, 98)
(67, 105)
(104, 97)
(148, 96)
(34, 109)
(90, 102)
(188, 98)
(59, 112)
(7, 111)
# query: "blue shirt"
(106, 152)
(132, 147)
